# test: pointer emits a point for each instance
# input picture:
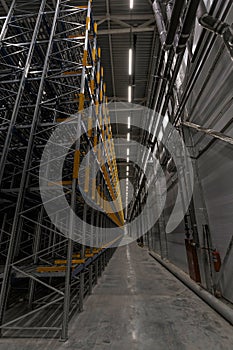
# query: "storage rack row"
(51, 75)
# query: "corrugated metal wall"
(210, 105)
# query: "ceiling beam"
(147, 20)
(120, 22)
(124, 17)
(147, 23)
(126, 30)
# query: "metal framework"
(50, 70)
(177, 73)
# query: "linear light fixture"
(127, 151)
(131, 4)
(130, 61)
(129, 122)
(129, 93)
(128, 136)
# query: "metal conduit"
(170, 35)
(211, 300)
(180, 49)
(202, 55)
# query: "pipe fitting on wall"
(216, 26)
(187, 25)
(213, 24)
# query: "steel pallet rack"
(51, 69)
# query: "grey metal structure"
(194, 87)
(50, 69)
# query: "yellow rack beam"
(64, 262)
(52, 268)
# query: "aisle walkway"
(139, 305)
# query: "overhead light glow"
(129, 93)
(127, 151)
(127, 159)
(130, 61)
(128, 136)
(127, 168)
(131, 4)
(128, 122)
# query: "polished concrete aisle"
(139, 305)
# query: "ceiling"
(120, 28)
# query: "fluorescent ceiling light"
(128, 136)
(127, 168)
(128, 122)
(127, 151)
(131, 4)
(130, 61)
(127, 159)
(129, 93)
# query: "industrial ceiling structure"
(121, 28)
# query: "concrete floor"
(139, 305)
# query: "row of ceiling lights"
(131, 4)
(130, 73)
(130, 61)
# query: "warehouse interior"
(116, 167)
